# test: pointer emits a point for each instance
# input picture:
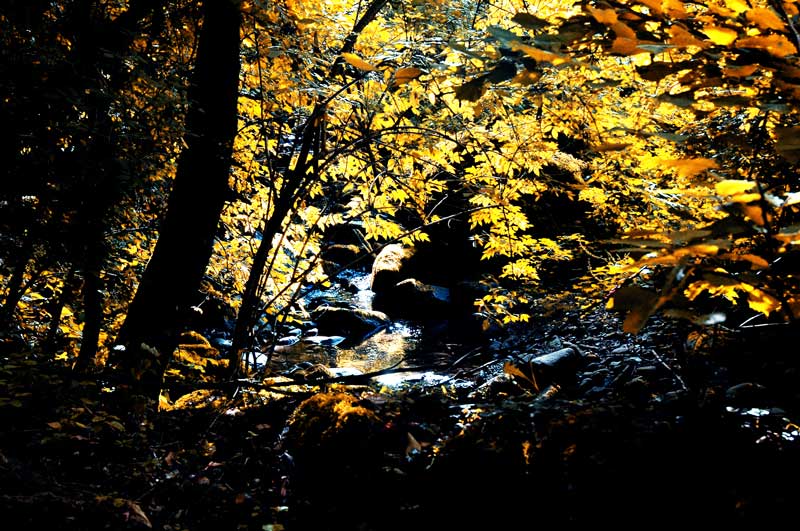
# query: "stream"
(402, 343)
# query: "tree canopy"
(177, 168)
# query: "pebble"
(647, 370)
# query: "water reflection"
(380, 351)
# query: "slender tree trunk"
(171, 281)
(92, 305)
(294, 182)
(16, 281)
(56, 309)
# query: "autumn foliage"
(650, 146)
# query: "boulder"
(353, 323)
(338, 255)
(413, 299)
(390, 267)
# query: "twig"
(464, 357)
(464, 372)
(670, 369)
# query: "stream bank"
(625, 430)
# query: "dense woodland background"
(190, 171)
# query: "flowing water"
(401, 344)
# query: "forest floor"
(672, 426)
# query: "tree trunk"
(101, 173)
(57, 308)
(170, 284)
(15, 286)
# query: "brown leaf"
(413, 445)
(777, 45)
(625, 46)
(788, 144)
(136, 514)
(690, 167)
(603, 16)
(405, 75)
(631, 297)
(612, 146)
(512, 370)
(471, 90)
(658, 70)
(765, 18)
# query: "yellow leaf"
(721, 36)
(777, 45)
(765, 18)
(737, 6)
(746, 198)
(354, 60)
(733, 187)
(55, 425)
(762, 302)
(596, 196)
(690, 167)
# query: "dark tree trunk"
(15, 286)
(92, 305)
(101, 174)
(171, 281)
(49, 346)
